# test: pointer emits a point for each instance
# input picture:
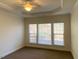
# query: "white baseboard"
(72, 55)
(5, 54)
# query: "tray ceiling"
(47, 6)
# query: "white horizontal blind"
(58, 33)
(33, 33)
(44, 34)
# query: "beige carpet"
(34, 53)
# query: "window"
(47, 34)
(33, 33)
(44, 34)
(58, 33)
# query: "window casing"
(47, 34)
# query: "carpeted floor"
(34, 53)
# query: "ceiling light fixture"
(28, 6)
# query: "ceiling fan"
(28, 5)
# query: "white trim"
(5, 6)
(62, 3)
(7, 53)
(10, 9)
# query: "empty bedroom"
(38, 29)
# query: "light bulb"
(28, 7)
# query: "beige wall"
(74, 31)
(11, 32)
(51, 19)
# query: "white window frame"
(52, 34)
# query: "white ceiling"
(47, 6)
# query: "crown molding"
(5, 6)
(10, 9)
(46, 16)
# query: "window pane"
(58, 40)
(32, 33)
(33, 28)
(44, 35)
(59, 28)
(58, 33)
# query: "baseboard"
(0, 57)
(8, 53)
(46, 48)
(72, 55)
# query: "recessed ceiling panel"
(46, 5)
